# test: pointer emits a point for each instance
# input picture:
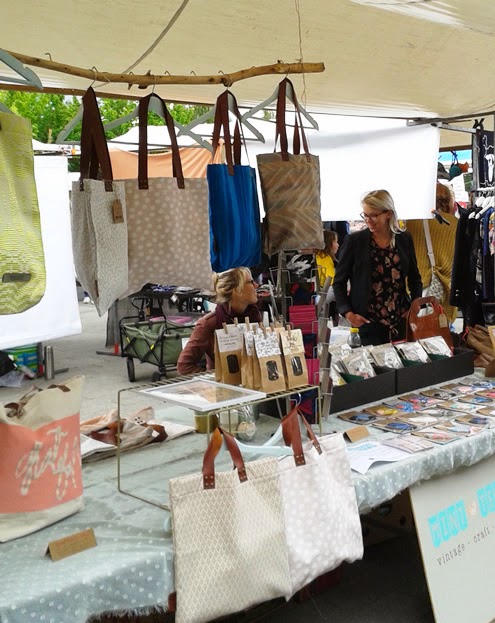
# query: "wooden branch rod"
(150, 79)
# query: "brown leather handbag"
(432, 321)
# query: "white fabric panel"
(359, 154)
(57, 314)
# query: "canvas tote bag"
(290, 186)
(40, 469)
(233, 197)
(22, 260)
(168, 224)
(320, 509)
(229, 537)
(99, 228)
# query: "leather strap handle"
(221, 122)
(94, 148)
(281, 126)
(144, 104)
(291, 432)
(420, 302)
(212, 451)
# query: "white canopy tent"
(382, 57)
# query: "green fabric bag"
(22, 260)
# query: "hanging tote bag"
(229, 537)
(320, 509)
(426, 319)
(40, 470)
(99, 228)
(22, 260)
(168, 223)
(290, 185)
(233, 198)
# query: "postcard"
(438, 392)
(458, 428)
(475, 420)
(383, 410)
(436, 435)
(489, 393)
(395, 426)
(456, 405)
(419, 418)
(420, 401)
(408, 443)
(358, 417)
(399, 404)
(482, 401)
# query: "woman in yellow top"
(326, 258)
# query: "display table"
(131, 569)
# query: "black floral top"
(387, 302)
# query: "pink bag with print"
(40, 470)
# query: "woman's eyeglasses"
(370, 217)
(252, 281)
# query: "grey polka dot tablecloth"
(131, 568)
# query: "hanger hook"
(49, 55)
(297, 399)
(95, 70)
(154, 85)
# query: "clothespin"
(263, 328)
(248, 324)
(272, 326)
(236, 321)
(288, 330)
(224, 325)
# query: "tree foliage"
(50, 113)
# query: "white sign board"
(455, 522)
(359, 154)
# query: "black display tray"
(424, 374)
(361, 392)
(401, 381)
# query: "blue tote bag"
(235, 227)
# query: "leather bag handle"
(94, 148)
(291, 432)
(221, 122)
(281, 126)
(144, 105)
(212, 451)
(420, 302)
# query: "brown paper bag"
(228, 347)
(247, 356)
(295, 368)
(268, 367)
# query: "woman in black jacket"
(380, 264)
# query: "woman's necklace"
(383, 242)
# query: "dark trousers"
(377, 333)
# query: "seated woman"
(236, 297)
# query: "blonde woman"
(380, 265)
(236, 298)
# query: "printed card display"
(456, 405)
(228, 347)
(437, 392)
(473, 419)
(419, 418)
(292, 345)
(268, 361)
(408, 443)
(477, 399)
